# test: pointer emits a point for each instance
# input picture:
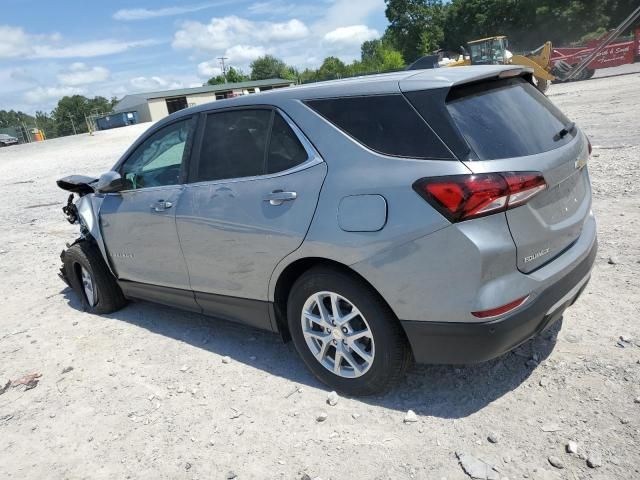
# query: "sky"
(49, 49)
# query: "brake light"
(500, 310)
(462, 197)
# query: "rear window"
(384, 123)
(507, 118)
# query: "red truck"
(613, 55)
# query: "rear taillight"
(462, 197)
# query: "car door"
(256, 183)
(138, 224)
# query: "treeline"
(70, 112)
(376, 56)
(420, 27)
(417, 27)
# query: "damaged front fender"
(88, 208)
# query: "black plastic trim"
(173, 297)
(255, 313)
(460, 343)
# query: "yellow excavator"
(494, 51)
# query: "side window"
(157, 162)
(384, 123)
(285, 150)
(233, 145)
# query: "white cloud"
(226, 32)
(352, 35)
(343, 13)
(280, 8)
(239, 56)
(154, 83)
(81, 74)
(15, 42)
(209, 69)
(44, 94)
(95, 48)
(129, 14)
(244, 54)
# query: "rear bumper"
(457, 343)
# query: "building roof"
(222, 87)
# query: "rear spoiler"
(456, 76)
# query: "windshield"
(508, 118)
(490, 52)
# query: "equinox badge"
(539, 254)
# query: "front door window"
(158, 161)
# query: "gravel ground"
(150, 393)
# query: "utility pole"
(72, 124)
(224, 68)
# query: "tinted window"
(157, 162)
(507, 118)
(384, 123)
(285, 150)
(234, 144)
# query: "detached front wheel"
(345, 333)
(87, 273)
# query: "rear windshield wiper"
(568, 128)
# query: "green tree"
(271, 67)
(12, 118)
(369, 49)
(527, 23)
(331, 68)
(233, 76)
(415, 26)
(72, 111)
(308, 75)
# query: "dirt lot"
(149, 396)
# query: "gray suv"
(441, 216)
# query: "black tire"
(109, 296)
(392, 353)
(542, 85)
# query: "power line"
(224, 68)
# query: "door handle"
(278, 197)
(161, 206)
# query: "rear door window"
(384, 123)
(285, 150)
(246, 143)
(507, 118)
(234, 144)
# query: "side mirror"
(112, 182)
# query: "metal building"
(152, 106)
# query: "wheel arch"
(295, 270)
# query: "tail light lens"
(462, 197)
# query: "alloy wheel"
(88, 286)
(337, 334)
